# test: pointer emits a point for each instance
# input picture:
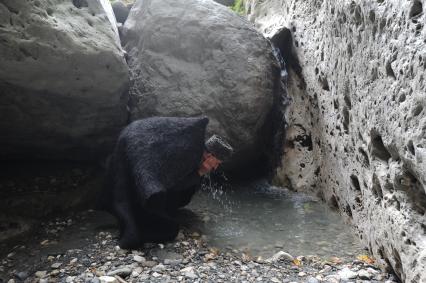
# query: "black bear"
(155, 169)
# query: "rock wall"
(63, 79)
(357, 121)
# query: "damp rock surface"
(359, 102)
(63, 79)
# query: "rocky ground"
(82, 247)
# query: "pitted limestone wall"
(357, 131)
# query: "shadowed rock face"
(63, 79)
(190, 58)
(357, 131)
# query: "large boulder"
(197, 57)
(63, 79)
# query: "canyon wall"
(357, 121)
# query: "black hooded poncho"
(152, 172)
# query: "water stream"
(260, 219)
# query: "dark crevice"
(377, 189)
(283, 40)
(416, 9)
(377, 147)
(415, 191)
(365, 159)
(80, 3)
(355, 183)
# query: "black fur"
(152, 172)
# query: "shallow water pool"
(261, 220)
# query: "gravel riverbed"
(83, 248)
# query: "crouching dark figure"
(155, 169)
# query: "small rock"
(280, 255)
(156, 274)
(108, 279)
(56, 265)
(189, 272)
(22, 275)
(139, 258)
(11, 281)
(312, 280)
(172, 262)
(346, 274)
(275, 280)
(70, 279)
(73, 261)
(364, 274)
(332, 279)
(54, 272)
(40, 274)
(148, 263)
(159, 268)
(125, 271)
(302, 274)
(136, 272)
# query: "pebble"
(40, 274)
(312, 280)
(148, 263)
(189, 272)
(125, 271)
(22, 275)
(108, 279)
(280, 255)
(364, 274)
(159, 268)
(139, 258)
(346, 274)
(172, 262)
(56, 265)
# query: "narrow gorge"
(322, 101)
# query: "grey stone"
(312, 280)
(125, 271)
(279, 256)
(190, 58)
(357, 116)
(346, 274)
(63, 79)
(364, 274)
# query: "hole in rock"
(334, 204)
(410, 147)
(417, 110)
(389, 70)
(365, 159)
(324, 83)
(346, 119)
(355, 183)
(378, 149)
(377, 189)
(80, 3)
(416, 8)
(410, 185)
